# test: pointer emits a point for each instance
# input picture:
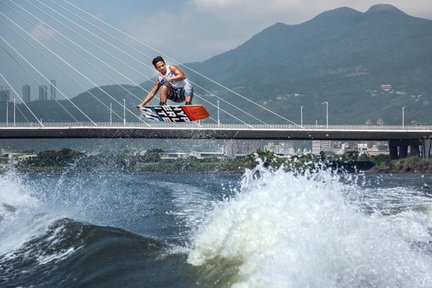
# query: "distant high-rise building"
(53, 90)
(240, 147)
(26, 93)
(4, 94)
(43, 92)
(321, 145)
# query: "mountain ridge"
(388, 8)
(341, 56)
(325, 60)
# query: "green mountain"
(341, 56)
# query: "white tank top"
(175, 84)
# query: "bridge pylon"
(400, 149)
(426, 145)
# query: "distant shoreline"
(74, 161)
(218, 168)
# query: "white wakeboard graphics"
(174, 113)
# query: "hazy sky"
(194, 30)
(190, 30)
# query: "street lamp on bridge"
(327, 114)
(403, 117)
(124, 112)
(301, 115)
(111, 114)
(218, 114)
(14, 112)
(7, 113)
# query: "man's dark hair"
(157, 59)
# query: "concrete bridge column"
(403, 151)
(415, 150)
(393, 149)
(426, 148)
(399, 148)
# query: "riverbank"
(73, 161)
(406, 165)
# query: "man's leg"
(188, 100)
(188, 96)
(164, 92)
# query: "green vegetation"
(152, 161)
(62, 158)
(410, 164)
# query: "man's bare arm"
(151, 94)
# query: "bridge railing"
(197, 125)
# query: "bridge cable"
(46, 79)
(91, 54)
(137, 60)
(189, 68)
(77, 56)
(7, 82)
(22, 114)
(65, 47)
(34, 79)
(147, 64)
(69, 65)
(130, 47)
(58, 102)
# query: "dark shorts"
(179, 94)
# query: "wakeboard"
(174, 113)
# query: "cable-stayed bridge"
(418, 138)
(46, 38)
(216, 131)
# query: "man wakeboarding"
(171, 82)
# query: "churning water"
(260, 229)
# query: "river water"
(261, 228)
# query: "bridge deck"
(214, 131)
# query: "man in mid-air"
(172, 83)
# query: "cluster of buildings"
(331, 148)
(370, 148)
(45, 92)
(235, 148)
(13, 158)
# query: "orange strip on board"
(195, 112)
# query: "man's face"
(160, 66)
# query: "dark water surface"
(260, 229)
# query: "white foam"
(20, 216)
(299, 231)
(56, 257)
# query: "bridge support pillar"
(403, 151)
(399, 148)
(427, 148)
(393, 149)
(415, 150)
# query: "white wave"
(57, 257)
(20, 215)
(300, 231)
